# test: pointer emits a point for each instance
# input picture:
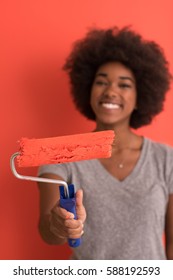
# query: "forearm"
(169, 251)
(47, 235)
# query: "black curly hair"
(144, 58)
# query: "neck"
(124, 136)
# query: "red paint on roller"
(36, 152)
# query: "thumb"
(80, 210)
(79, 198)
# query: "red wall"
(36, 36)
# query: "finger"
(57, 226)
(75, 228)
(74, 224)
(58, 231)
(63, 213)
(75, 234)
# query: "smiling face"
(113, 94)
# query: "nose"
(111, 90)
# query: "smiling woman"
(113, 94)
(124, 203)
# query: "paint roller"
(55, 150)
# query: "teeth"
(110, 106)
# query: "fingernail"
(69, 216)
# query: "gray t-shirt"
(125, 219)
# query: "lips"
(110, 104)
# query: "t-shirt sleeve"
(56, 169)
(171, 185)
(170, 170)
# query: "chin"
(109, 123)
(108, 120)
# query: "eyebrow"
(120, 77)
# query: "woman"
(124, 203)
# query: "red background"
(36, 36)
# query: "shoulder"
(82, 165)
(160, 157)
(159, 149)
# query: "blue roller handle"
(69, 203)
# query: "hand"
(63, 224)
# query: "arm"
(169, 229)
(55, 223)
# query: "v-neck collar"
(136, 170)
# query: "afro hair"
(144, 58)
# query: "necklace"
(120, 165)
(124, 161)
(123, 154)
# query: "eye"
(125, 85)
(101, 83)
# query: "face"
(113, 94)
